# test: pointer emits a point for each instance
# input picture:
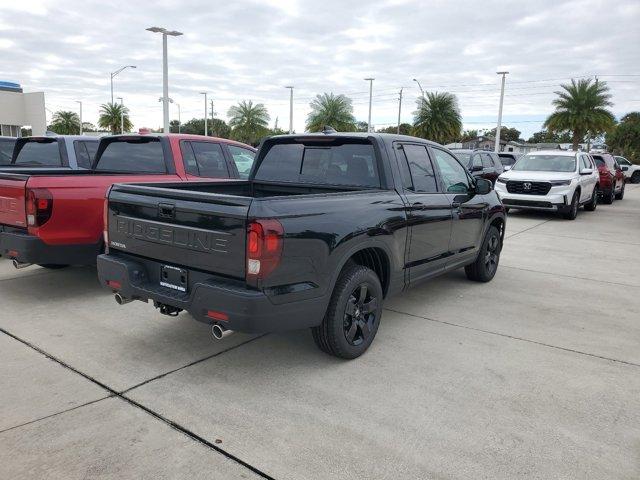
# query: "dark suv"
(481, 163)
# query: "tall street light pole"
(290, 87)
(205, 112)
(179, 117)
(165, 72)
(370, 80)
(121, 115)
(399, 108)
(504, 75)
(113, 74)
(78, 101)
(419, 86)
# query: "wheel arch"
(373, 255)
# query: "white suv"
(554, 180)
(632, 172)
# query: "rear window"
(133, 157)
(6, 150)
(599, 161)
(346, 164)
(40, 154)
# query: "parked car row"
(562, 181)
(315, 233)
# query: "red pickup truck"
(54, 217)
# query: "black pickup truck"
(325, 228)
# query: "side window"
(92, 148)
(421, 169)
(82, 155)
(476, 160)
(486, 160)
(210, 159)
(140, 156)
(454, 176)
(584, 162)
(189, 159)
(243, 158)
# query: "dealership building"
(19, 109)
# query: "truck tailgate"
(201, 231)
(12, 200)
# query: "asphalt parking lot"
(534, 375)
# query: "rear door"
(204, 160)
(428, 212)
(12, 200)
(186, 228)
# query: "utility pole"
(179, 117)
(205, 112)
(399, 109)
(290, 87)
(211, 103)
(121, 115)
(165, 72)
(370, 80)
(497, 146)
(78, 101)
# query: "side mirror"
(586, 171)
(625, 168)
(476, 168)
(483, 186)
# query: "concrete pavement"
(534, 375)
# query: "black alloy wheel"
(360, 315)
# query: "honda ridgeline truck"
(54, 216)
(324, 229)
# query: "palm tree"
(65, 123)
(110, 117)
(248, 121)
(437, 117)
(581, 110)
(331, 110)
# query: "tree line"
(581, 114)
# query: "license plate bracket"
(174, 278)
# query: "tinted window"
(507, 159)
(546, 163)
(465, 158)
(45, 154)
(85, 153)
(347, 164)
(6, 150)
(599, 162)
(454, 176)
(210, 159)
(422, 174)
(133, 156)
(486, 161)
(243, 158)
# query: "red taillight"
(221, 316)
(264, 248)
(39, 205)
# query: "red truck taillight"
(264, 248)
(39, 205)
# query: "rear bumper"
(19, 245)
(246, 310)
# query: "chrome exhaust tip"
(20, 265)
(120, 300)
(219, 332)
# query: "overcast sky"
(249, 50)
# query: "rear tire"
(593, 203)
(485, 266)
(620, 195)
(51, 266)
(572, 213)
(353, 315)
(609, 196)
(635, 178)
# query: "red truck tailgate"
(12, 200)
